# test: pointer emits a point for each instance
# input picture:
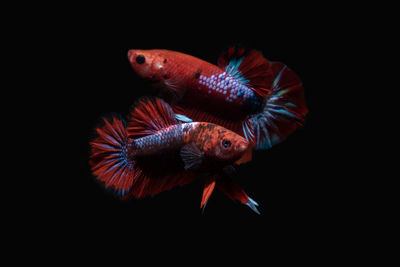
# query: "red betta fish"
(154, 152)
(256, 98)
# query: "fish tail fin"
(284, 110)
(110, 160)
(280, 88)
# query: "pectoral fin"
(192, 156)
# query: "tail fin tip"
(284, 110)
(109, 160)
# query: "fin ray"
(208, 189)
(284, 110)
(248, 66)
(109, 160)
(148, 116)
(192, 156)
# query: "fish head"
(159, 67)
(224, 145)
(148, 64)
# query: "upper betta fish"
(154, 152)
(256, 98)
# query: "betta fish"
(261, 100)
(155, 152)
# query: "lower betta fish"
(256, 98)
(154, 152)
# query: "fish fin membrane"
(209, 186)
(191, 156)
(146, 184)
(249, 67)
(149, 115)
(284, 109)
(232, 190)
(109, 160)
(183, 118)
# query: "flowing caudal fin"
(110, 161)
(284, 109)
(155, 173)
(149, 115)
(226, 185)
(248, 66)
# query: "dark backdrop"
(297, 191)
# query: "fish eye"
(226, 143)
(140, 59)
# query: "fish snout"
(132, 55)
(243, 145)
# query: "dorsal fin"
(249, 67)
(149, 115)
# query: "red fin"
(208, 189)
(149, 185)
(252, 65)
(284, 110)
(148, 116)
(110, 161)
(235, 192)
(226, 185)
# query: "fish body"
(154, 152)
(206, 137)
(260, 100)
(193, 81)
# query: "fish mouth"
(243, 145)
(131, 55)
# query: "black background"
(295, 183)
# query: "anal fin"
(209, 186)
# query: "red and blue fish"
(258, 99)
(218, 115)
(155, 152)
